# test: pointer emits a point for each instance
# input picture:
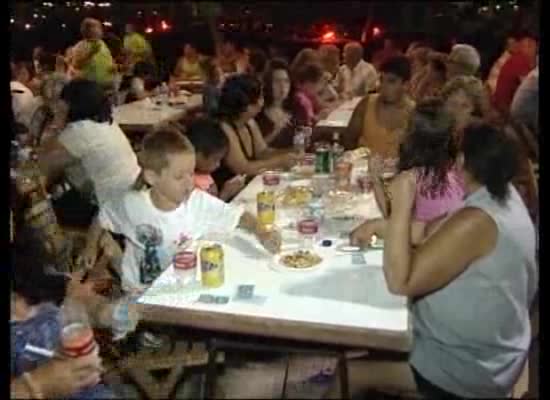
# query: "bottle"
(124, 317)
(337, 148)
(164, 94)
(77, 336)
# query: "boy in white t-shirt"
(164, 211)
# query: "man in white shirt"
(356, 77)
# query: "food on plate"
(301, 259)
(357, 154)
(296, 196)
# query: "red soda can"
(308, 226)
(77, 340)
(185, 260)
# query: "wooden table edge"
(283, 329)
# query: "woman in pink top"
(430, 150)
(308, 81)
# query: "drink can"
(322, 160)
(185, 266)
(308, 226)
(77, 340)
(266, 209)
(185, 260)
(212, 268)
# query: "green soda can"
(323, 160)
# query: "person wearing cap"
(514, 71)
(463, 60)
(91, 56)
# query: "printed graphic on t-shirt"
(149, 261)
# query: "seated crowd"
(464, 190)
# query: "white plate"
(277, 265)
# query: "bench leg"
(285, 379)
(343, 375)
(210, 383)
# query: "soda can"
(185, 260)
(212, 268)
(323, 162)
(77, 340)
(265, 202)
(308, 226)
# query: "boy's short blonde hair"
(156, 147)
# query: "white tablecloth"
(339, 295)
(145, 114)
(340, 117)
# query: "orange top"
(377, 138)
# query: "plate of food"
(295, 196)
(300, 260)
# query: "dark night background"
(289, 25)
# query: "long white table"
(145, 114)
(340, 303)
(340, 117)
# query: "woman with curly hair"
(428, 149)
(466, 100)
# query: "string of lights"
(35, 16)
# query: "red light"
(164, 25)
(327, 37)
(149, 30)
(376, 31)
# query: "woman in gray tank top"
(471, 281)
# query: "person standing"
(91, 56)
(136, 47)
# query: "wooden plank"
(271, 327)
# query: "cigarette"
(40, 351)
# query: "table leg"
(343, 375)
(210, 384)
(285, 379)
